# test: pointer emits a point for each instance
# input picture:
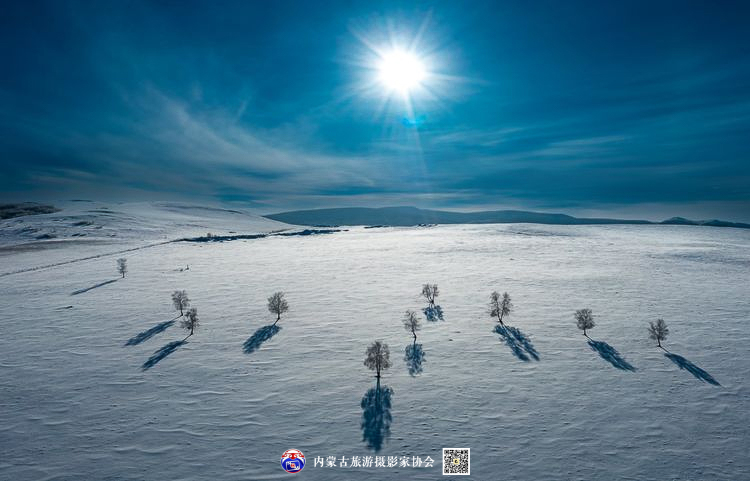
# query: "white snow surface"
(76, 403)
(96, 228)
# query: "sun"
(403, 66)
(401, 71)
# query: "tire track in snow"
(282, 233)
(81, 259)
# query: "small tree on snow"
(122, 266)
(500, 306)
(191, 320)
(584, 320)
(277, 305)
(378, 357)
(430, 292)
(180, 301)
(658, 331)
(411, 323)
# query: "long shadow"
(146, 335)
(433, 313)
(163, 352)
(699, 373)
(519, 343)
(376, 416)
(414, 357)
(81, 291)
(260, 336)
(525, 342)
(610, 354)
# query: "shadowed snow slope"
(84, 228)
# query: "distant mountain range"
(410, 216)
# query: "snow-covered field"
(78, 402)
(88, 228)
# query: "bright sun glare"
(400, 70)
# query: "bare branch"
(122, 266)
(190, 322)
(411, 323)
(378, 357)
(277, 305)
(180, 300)
(658, 331)
(584, 320)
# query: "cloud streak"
(182, 103)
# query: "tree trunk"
(415, 336)
(274, 322)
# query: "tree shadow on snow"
(414, 357)
(376, 416)
(433, 313)
(146, 335)
(260, 336)
(520, 345)
(81, 291)
(163, 352)
(699, 373)
(610, 354)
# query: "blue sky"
(625, 108)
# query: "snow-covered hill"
(86, 228)
(139, 221)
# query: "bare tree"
(411, 323)
(658, 331)
(584, 320)
(378, 357)
(430, 292)
(180, 301)
(500, 307)
(277, 305)
(191, 320)
(122, 266)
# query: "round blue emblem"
(292, 460)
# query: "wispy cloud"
(474, 137)
(248, 103)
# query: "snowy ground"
(86, 228)
(77, 403)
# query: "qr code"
(456, 461)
